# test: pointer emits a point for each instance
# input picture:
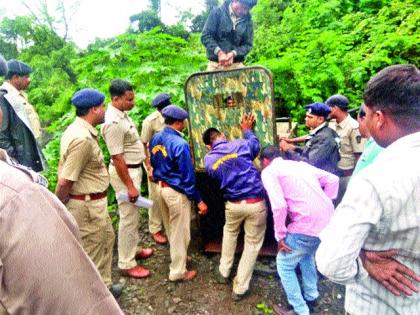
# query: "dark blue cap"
(249, 3)
(87, 98)
(338, 100)
(318, 109)
(3, 66)
(18, 67)
(174, 112)
(161, 100)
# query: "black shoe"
(220, 279)
(312, 304)
(116, 290)
(237, 297)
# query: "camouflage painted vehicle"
(219, 99)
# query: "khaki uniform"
(121, 137)
(254, 218)
(43, 268)
(351, 143)
(32, 116)
(81, 161)
(152, 125)
(176, 215)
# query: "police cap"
(174, 112)
(3, 66)
(318, 109)
(87, 98)
(161, 100)
(18, 67)
(338, 100)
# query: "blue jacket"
(172, 163)
(230, 163)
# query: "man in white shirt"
(381, 208)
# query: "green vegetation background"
(314, 48)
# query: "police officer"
(83, 181)
(231, 164)
(173, 170)
(127, 154)
(351, 142)
(321, 145)
(36, 233)
(21, 125)
(152, 124)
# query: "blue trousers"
(303, 252)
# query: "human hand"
(202, 208)
(282, 247)
(222, 58)
(133, 194)
(394, 276)
(285, 146)
(247, 121)
(229, 58)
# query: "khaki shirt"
(36, 227)
(152, 125)
(351, 142)
(81, 159)
(121, 136)
(32, 116)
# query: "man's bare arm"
(394, 276)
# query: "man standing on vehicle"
(228, 35)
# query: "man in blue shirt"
(171, 161)
(231, 164)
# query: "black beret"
(18, 67)
(249, 3)
(161, 100)
(174, 112)
(87, 98)
(3, 66)
(318, 109)
(338, 100)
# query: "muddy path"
(156, 295)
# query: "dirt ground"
(156, 295)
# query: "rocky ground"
(204, 296)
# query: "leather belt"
(163, 184)
(347, 172)
(134, 165)
(94, 196)
(250, 201)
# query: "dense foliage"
(314, 49)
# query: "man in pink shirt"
(304, 193)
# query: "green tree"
(146, 20)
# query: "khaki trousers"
(176, 215)
(254, 218)
(214, 66)
(155, 216)
(96, 233)
(128, 228)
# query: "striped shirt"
(380, 211)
